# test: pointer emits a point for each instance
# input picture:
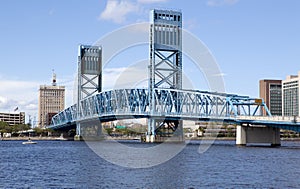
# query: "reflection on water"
(66, 164)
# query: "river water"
(72, 164)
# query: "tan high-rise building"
(51, 101)
(270, 91)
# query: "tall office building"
(51, 101)
(290, 95)
(13, 118)
(270, 91)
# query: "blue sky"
(250, 40)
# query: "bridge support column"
(150, 136)
(78, 136)
(164, 131)
(89, 130)
(257, 135)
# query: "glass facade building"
(271, 92)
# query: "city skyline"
(247, 47)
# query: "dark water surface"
(67, 164)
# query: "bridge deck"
(171, 104)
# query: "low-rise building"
(13, 118)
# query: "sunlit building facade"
(13, 118)
(271, 91)
(51, 101)
(290, 95)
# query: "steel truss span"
(169, 104)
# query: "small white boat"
(29, 142)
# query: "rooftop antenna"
(53, 78)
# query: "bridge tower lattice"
(165, 66)
(89, 75)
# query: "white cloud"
(151, 1)
(8, 85)
(24, 95)
(15, 89)
(3, 102)
(125, 77)
(31, 106)
(21, 94)
(220, 75)
(216, 3)
(117, 11)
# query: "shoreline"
(125, 138)
(33, 138)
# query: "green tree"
(109, 131)
(38, 130)
(4, 127)
(72, 132)
(20, 127)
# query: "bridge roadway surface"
(172, 104)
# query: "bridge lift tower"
(165, 67)
(89, 70)
(89, 75)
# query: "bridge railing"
(271, 118)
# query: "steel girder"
(168, 103)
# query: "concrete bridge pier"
(89, 130)
(164, 131)
(150, 135)
(150, 138)
(257, 135)
(78, 136)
